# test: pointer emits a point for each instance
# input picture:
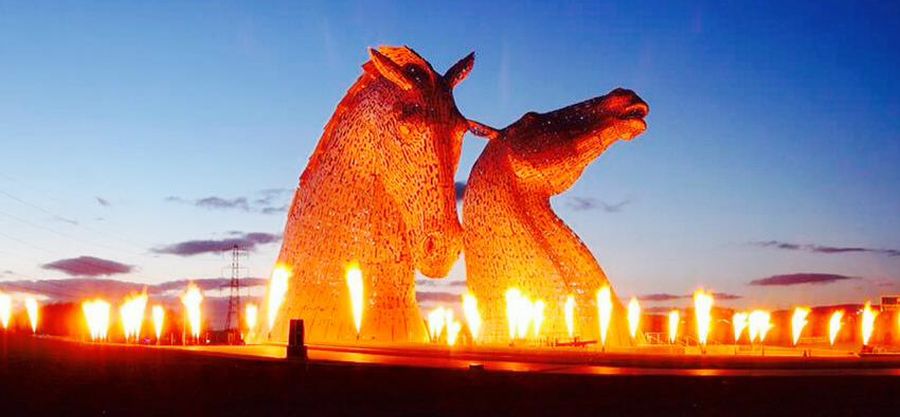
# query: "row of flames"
(524, 315)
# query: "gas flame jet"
(798, 322)
(473, 317)
(634, 316)
(739, 322)
(759, 324)
(31, 305)
(355, 285)
(453, 327)
(513, 300)
(674, 321)
(436, 321)
(96, 314)
(570, 316)
(159, 317)
(834, 326)
(703, 303)
(132, 315)
(251, 316)
(604, 311)
(537, 317)
(868, 322)
(192, 299)
(278, 286)
(5, 310)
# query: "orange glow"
(674, 321)
(739, 322)
(96, 314)
(604, 311)
(759, 324)
(132, 314)
(192, 299)
(251, 316)
(278, 286)
(159, 317)
(31, 305)
(5, 310)
(355, 284)
(834, 326)
(634, 317)
(570, 316)
(703, 303)
(868, 322)
(798, 322)
(473, 317)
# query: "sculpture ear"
(460, 70)
(390, 70)
(483, 130)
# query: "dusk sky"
(143, 135)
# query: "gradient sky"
(776, 124)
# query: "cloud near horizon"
(823, 249)
(267, 201)
(800, 279)
(245, 241)
(587, 203)
(658, 297)
(88, 266)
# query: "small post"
(296, 348)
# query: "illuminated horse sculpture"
(511, 236)
(377, 191)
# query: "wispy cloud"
(800, 278)
(88, 266)
(587, 203)
(658, 297)
(66, 220)
(246, 241)
(437, 297)
(102, 201)
(266, 201)
(824, 249)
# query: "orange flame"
(159, 317)
(834, 326)
(703, 303)
(739, 322)
(634, 316)
(96, 314)
(251, 316)
(132, 315)
(278, 285)
(759, 324)
(868, 322)
(5, 310)
(523, 315)
(31, 305)
(570, 316)
(436, 321)
(355, 284)
(453, 327)
(674, 321)
(604, 311)
(798, 322)
(473, 317)
(192, 299)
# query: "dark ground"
(54, 377)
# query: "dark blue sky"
(769, 122)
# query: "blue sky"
(775, 123)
